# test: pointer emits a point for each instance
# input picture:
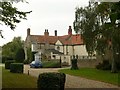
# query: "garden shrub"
(20, 55)
(105, 65)
(27, 62)
(7, 63)
(5, 58)
(16, 67)
(74, 64)
(51, 81)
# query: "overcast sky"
(46, 14)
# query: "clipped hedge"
(51, 64)
(51, 81)
(7, 63)
(16, 67)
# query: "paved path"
(71, 81)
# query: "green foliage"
(16, 80)
(5, 58)
(74, 64)
(97, 25)
(11, 15)
(10, 49)
(51, 64)
(8, 63)
(7, 50)
(95, 74)
(20, 55)
(16, 67)
(26, 62)
(29, 55)
(105, 65)
(51, 81)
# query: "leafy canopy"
(10, 15)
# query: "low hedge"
(51, 81)
(16, 67)
(7, 63)
(51, 64)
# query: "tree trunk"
(113, 65)
(113, 68)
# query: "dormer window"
(58, 48)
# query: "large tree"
(10, 15)
(97, 24)
(10, 49)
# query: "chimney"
(46, 33)
(55, 32)
(70, 31)
(28, 31)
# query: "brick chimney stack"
(70, 31)
(46, 33)
(55, 32)
(28, 31)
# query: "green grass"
(16, 80)
(90, 73)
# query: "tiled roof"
(71, 40)
(66, 39)
(43, 39)
(77, 39)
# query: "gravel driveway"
(71, 81)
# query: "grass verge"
(95, 74)
(16, 80)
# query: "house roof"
(65, 40)
(54, 51)
(71, 39)
(43, 39)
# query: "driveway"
(71, 81)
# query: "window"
(58, 48)
(54, 56)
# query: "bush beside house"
(20, 55)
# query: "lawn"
(15, 80)
(90, 73)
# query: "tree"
(20, 55)
(29, 55)
(97, 24)
(10, 49)
(10, 15)
(87, 25)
